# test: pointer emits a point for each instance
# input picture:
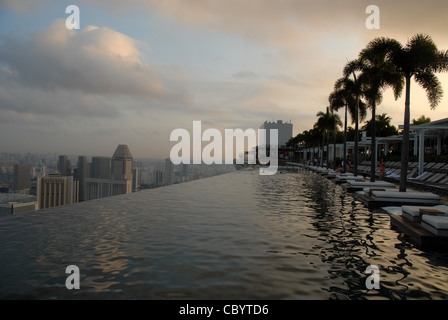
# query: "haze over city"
(137, 70)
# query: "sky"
(137, 70)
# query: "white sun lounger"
(412, 213)
(368, 184)
(422, 198)
(437, 225)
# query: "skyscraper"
(158, 175)
(64, 166)
(285, 131)
(100, 168)
(81, 176)
(135, 179)
(122, 163)
(55, 190)
(110, 177)
(169, 172)
(22, 178)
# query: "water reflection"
(360, 238)
(295, 235)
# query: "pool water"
(294, 235)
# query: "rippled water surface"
(236, 236)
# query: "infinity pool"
(295, 235)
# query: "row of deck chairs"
(428, 166)
(436, 182)
(434, 179)
(392, 170)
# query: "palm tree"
(327, 121)
(323, 125)
(335, 122)
(344, 96)
(311, 139)
(383, 126)
(378, 73)
(420, 60)
(423, 119)
(353, 68)
(336, 102)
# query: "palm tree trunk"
(334, 147)
(345, 140)
(373, 144)
(322, 154)
(405, 143)
(328, 150)
(355, 159)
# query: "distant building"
(285, 132)
(169, 172)
(158, 175)
(100, 168)
(81, 176)
(110, 176)
(64, 166)
(16, 203)
(122, 163)
(55, 190)
(102, 188)
(184, 172)
(135, 179)
(22, 178)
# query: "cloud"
(23, 6)
(245, 75)
(93, 61)
(277, 60)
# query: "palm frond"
(429, 81)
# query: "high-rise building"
(158, 174)
(81, 176)
(110, 177)
(101, 188)
(122, 163)
(55, 190)
(169, 172)
(135, 179)
(100, 168)
(64, 166)
(285, 131)
(22, 178)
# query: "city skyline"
(134, 72)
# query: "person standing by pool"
(382, 169)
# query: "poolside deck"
(420, 236)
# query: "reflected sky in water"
(236, 236)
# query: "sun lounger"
(413, 213)
(437, 166)
(421, 198)
(435, 224)
(368, 184)
(444, 180)
(430, 165)
(413, 165)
